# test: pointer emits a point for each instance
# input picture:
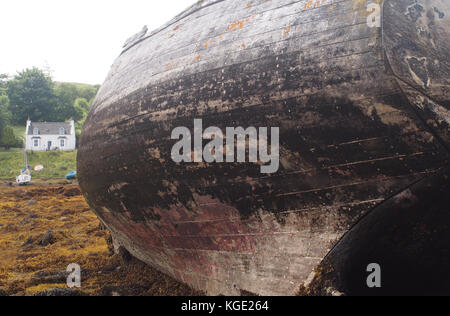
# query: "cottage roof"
(49, 128)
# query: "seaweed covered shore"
(46, 227)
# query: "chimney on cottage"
(28, 126)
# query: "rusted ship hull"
(363, 111)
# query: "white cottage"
(50, 136)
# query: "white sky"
(78, 39)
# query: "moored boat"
(357, 90)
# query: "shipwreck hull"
(363, 113)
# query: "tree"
(8, 139)
(69, 103)
(3, 80)
(31, 95)
(88, 92)
(82, 103)
(5, 115)
(66, 95)
(78, 113)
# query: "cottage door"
(49, 146)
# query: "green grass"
(56, 163)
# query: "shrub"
(8, 139)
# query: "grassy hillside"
(56, 163)
(79, 85)
(81, 90)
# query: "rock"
(47, 239)
(100, 234)
(109, 268)
(67, 212)
(124, 255)
(31, 202)
(24, 222)
(28, 242)
(72, 192)
(26, 256)
(60, 292)
(27, 220)
(48, 277)
(333, 292)
(109, 291)
(59, 190)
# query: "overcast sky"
(77, 39)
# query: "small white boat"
(25, 176)
(23, 179)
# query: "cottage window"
(63, 143)
(62, 131)
(36, 131)
(36, 142)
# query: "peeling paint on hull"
(350, 135)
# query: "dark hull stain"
(363, 114)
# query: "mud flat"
(46, 227)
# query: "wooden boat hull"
(363, 113)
